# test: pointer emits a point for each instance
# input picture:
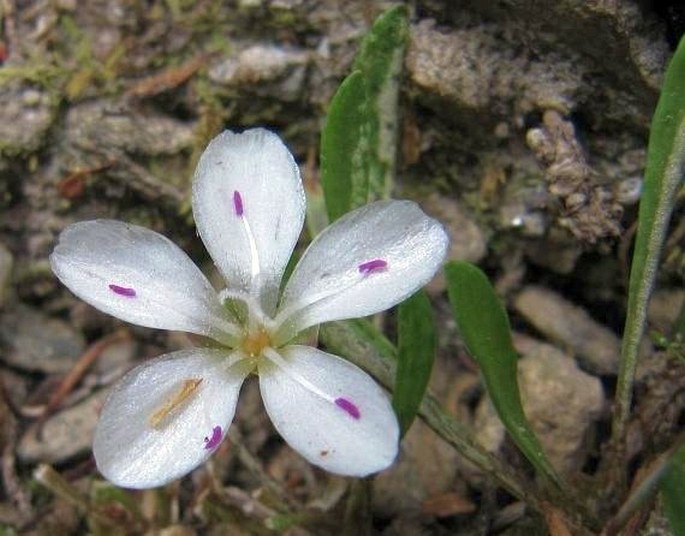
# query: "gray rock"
(116, 359)
(108, 135)
(561, 402)
(467, 240)
(568, 325)
(25, 116)
(261, 65)
(426, 467)
(104, 124)
(34, 341)
(470, 69)
(664, 307)
(472, 65)
(65, 434)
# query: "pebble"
(596, 347)
(664, 307)
(467, 240)
(36, 342)
(264, 64)
(25, 116)
(66, 434)
(561, 402)
(426, 467)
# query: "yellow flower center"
(254, 343)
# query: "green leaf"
(415, 352)
(664, 173)
(380, 60)
(673, 490)
(359, 139)
(484, 326)
(345, 149)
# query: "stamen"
(123, 291)
(348, 407)
(375, 265)
(238, 203)
(255, 342)
(188, 388)
(214, 441)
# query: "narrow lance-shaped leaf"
(345, 149)
(380, 61)
(673, 490)
(484, 327)
(665, 170)
(415, 352)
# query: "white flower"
(168, 415)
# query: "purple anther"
(348, 407)
(238, 203)
(214, 441)
(123, 291)
(369, 267)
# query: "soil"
(523, 129)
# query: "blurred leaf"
(484, 326)
(664, 172)
(345, 149)
(380, 61)
(673, 490)
(415, 353)
(317, 213)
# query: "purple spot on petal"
(214, 441)
(375, 265)
(238, 203)
(123, 291)
(348, 407)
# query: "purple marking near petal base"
(376, 265)
(123, 291)
(211, 442)
(238, 203)
(348, 407)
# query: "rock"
(261, 66)
(560, 256)
(116, 359)
(664, 307)
(65, 434)
(112, 125)
(110, 137)
(561, 402)
(25, 116)
(6, 263)
(37, 342)
(467, 241)
(426, 467)
(568, 325)
(469, 64)
(461, 68)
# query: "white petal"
(160, 422)
(139, 276)
(249, 205)
(365, 262)
(329, 410)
